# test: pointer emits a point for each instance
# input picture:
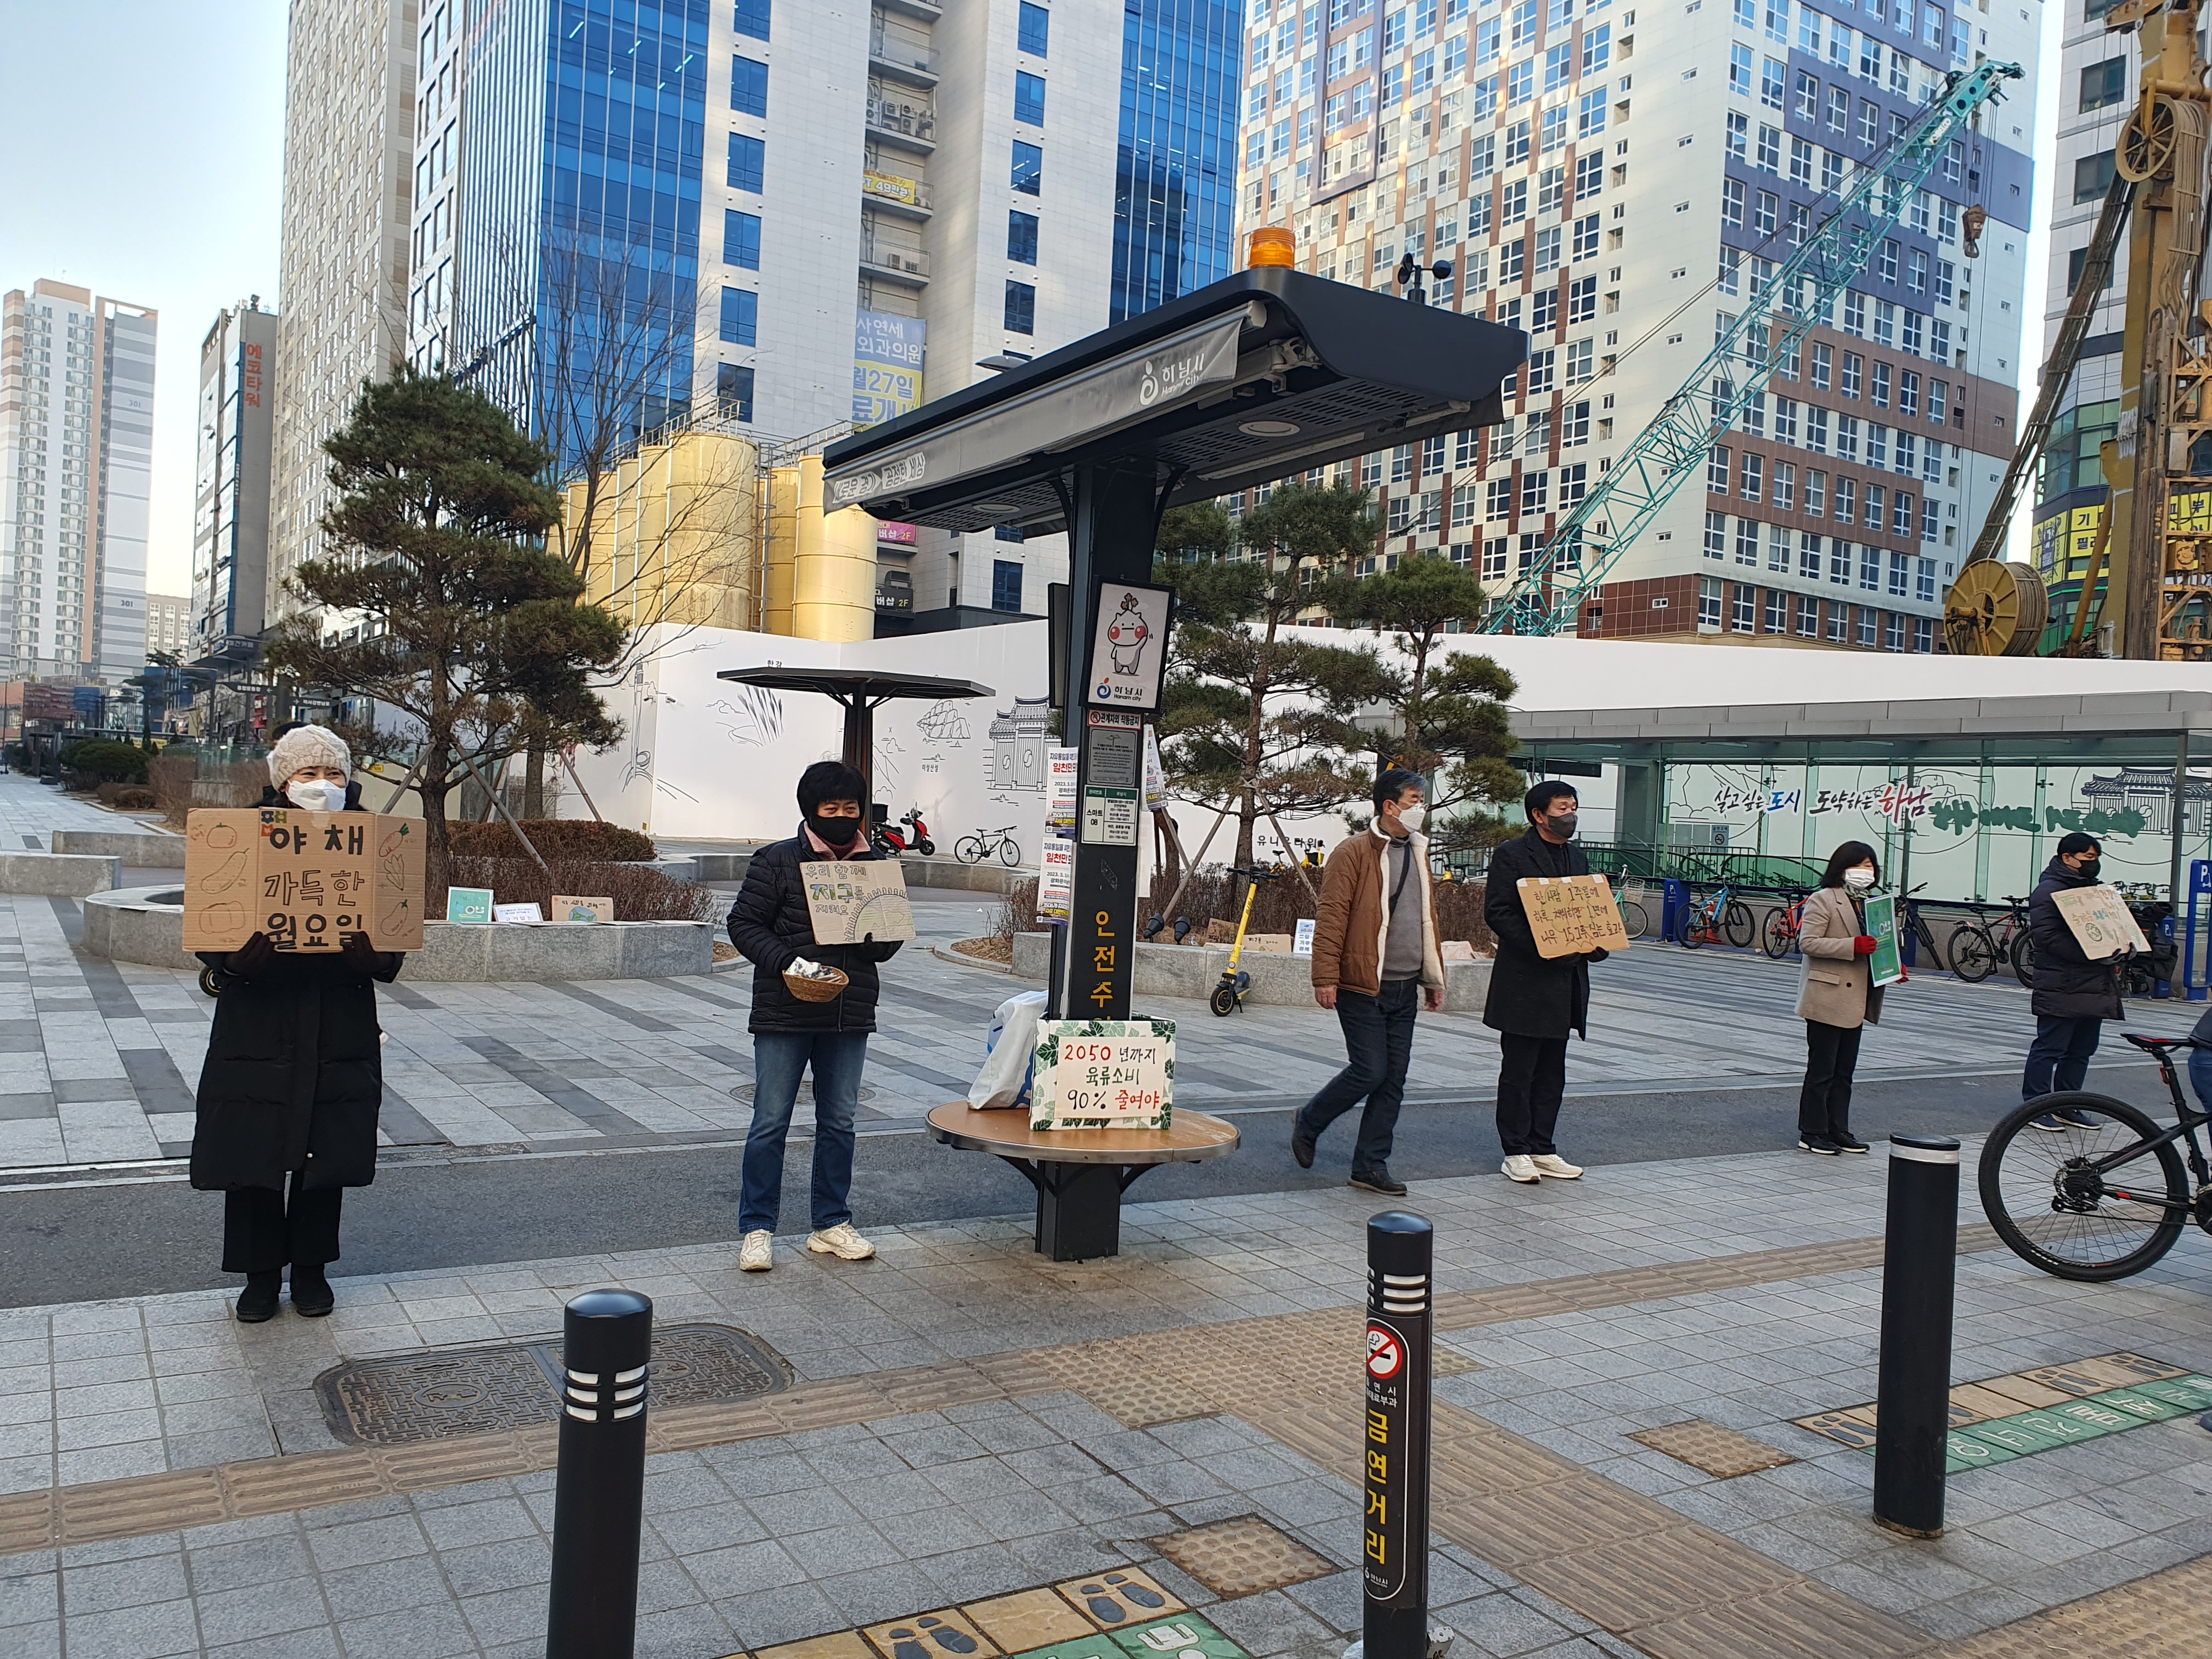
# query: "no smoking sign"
(1386, 1353)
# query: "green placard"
(1176, 1636)
(1882, 921)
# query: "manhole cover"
(407, 1398)
(1242, 1555)
(1721, 1453)
(744, 1092)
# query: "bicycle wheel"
(1697, 933)
(2023, 960)
(1778, 935)
(1010, 854)
(1633, 919)
(1973, 954)
(1739, 927)
(2058, 1213)
(971, 849)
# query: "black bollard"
(598, 1496)
(1400, 1250)
(1919, 1272)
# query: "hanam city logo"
(1170, 377)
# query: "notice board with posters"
(1569, 915)
(306, 879)
(2100, 921)
(851, 900)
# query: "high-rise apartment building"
(76, 455)
(348, 114)
(169, 624)
(1621, 192)
(2099, 78)
(791, 216)
(231, 484)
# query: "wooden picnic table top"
(1190, 1138)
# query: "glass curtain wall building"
(576, 221)
(1174, 183)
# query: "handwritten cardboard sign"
(566, 907)
(306, 879)
(528, 912)
(1569, 915)
(1103, 1074)
(854, 899)
(2100, 921)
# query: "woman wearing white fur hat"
(295, 1075)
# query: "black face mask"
(2087, 869)
(1563, 826)
(834, 832)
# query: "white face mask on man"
(1858, 880)
(314, 795)
(1412, 817)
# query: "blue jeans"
(1378, 1040)
(2200, 1076)
(2058, 1059)
(779, 1058)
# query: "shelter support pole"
(1110, 533)
(2180, 819)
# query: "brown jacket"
(1837, 987)
(1354, 917)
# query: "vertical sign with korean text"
(1394, 1434)
(887, 358)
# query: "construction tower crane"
(1547, 597)
(1997, 607)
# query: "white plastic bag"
(1005, 1079)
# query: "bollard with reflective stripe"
(598, 1498)
(1394, 1437)
(1919, 1273)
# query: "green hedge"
(106, 760)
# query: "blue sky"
(145, 161)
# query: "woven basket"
(817, 990)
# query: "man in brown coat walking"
(1375, 957)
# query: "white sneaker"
(842, 1242)
(1551, 1164)
(756, 1255)
(1521, 1169)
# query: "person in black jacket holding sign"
(770, 925)
(2073, 996)
(293, 1079)
(1535, 1000)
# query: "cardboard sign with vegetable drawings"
(2100, 921)
(855, 899)
(306, 879)
(1569, 915)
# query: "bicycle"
(975, 847)
(2009, 937)
(1974, 953)
(2072, 1204)
(1721, 916)
(1633, 919)
(1785, 924)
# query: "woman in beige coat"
(1837, 999)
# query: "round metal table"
(1080, 1174)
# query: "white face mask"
(1413, 818)
(1858, 880)
(313, 795)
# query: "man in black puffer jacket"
(770, 925)
(2073, 995)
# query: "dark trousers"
(1824, 1105)
(1532, 1080)
(2058, 1059)
(1378, 1041)
(263, 1229)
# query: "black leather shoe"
(312, 1296)
(258, 1302)
(1301, 1146)
(1379, 1180)
(1848, 1142)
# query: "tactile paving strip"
(1721, 1453)
(1242, 1555)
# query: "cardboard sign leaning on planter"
(1103, 1074)
(306, 879)
(854, 899)
(1569, 915)
(2100, 921)
(566, 907)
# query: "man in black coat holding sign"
(1534, 1002)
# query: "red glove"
(1864, 945)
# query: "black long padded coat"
(770, 926)
(1532, 995)
(2068, 985)
(294, 1072)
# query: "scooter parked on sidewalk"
(1229, 996)
(893, 840)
